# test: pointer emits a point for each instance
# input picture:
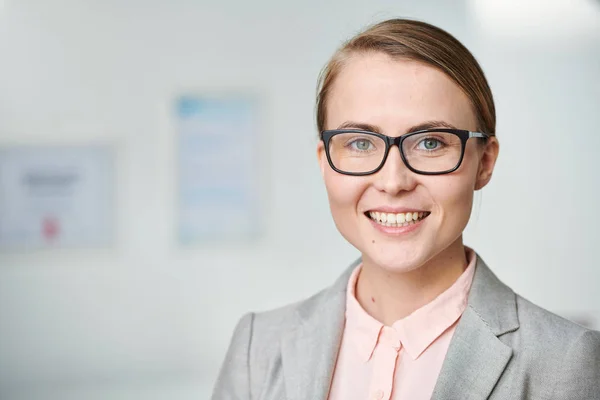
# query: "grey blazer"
(504, 347)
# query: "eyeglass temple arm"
(478, 135)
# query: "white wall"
(150, 317)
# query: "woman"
(407, 128)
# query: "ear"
(487, 162)
(321, 157)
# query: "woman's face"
(396, 97)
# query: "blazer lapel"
(476, 357)
(309, 350)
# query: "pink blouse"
(402, 361)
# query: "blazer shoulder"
(553, 358)
(533, 318)
(270, 324)
(566, 355)
(254, 348)
(548, 341)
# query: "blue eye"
(429, 144)
(361, 145)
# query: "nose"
(394, 177)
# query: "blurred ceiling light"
(537, 18)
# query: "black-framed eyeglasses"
(428, 152)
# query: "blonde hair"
(416, 41)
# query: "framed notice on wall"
(217, 168)
(56, 196)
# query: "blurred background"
(149, 318)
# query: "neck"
(389, 297)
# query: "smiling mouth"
(398, 219)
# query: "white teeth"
(399, 219)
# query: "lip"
(397, 231)
(394, 210)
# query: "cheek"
(344, 193)
(342, 190)
(453, 195)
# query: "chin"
(396, 259)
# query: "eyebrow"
(419, 127)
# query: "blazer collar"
(493, 301)
(475, 360)
(309, 349)
(476, 357)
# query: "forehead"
(395, 95)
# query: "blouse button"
(378, 395)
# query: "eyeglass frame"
(464, 136)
